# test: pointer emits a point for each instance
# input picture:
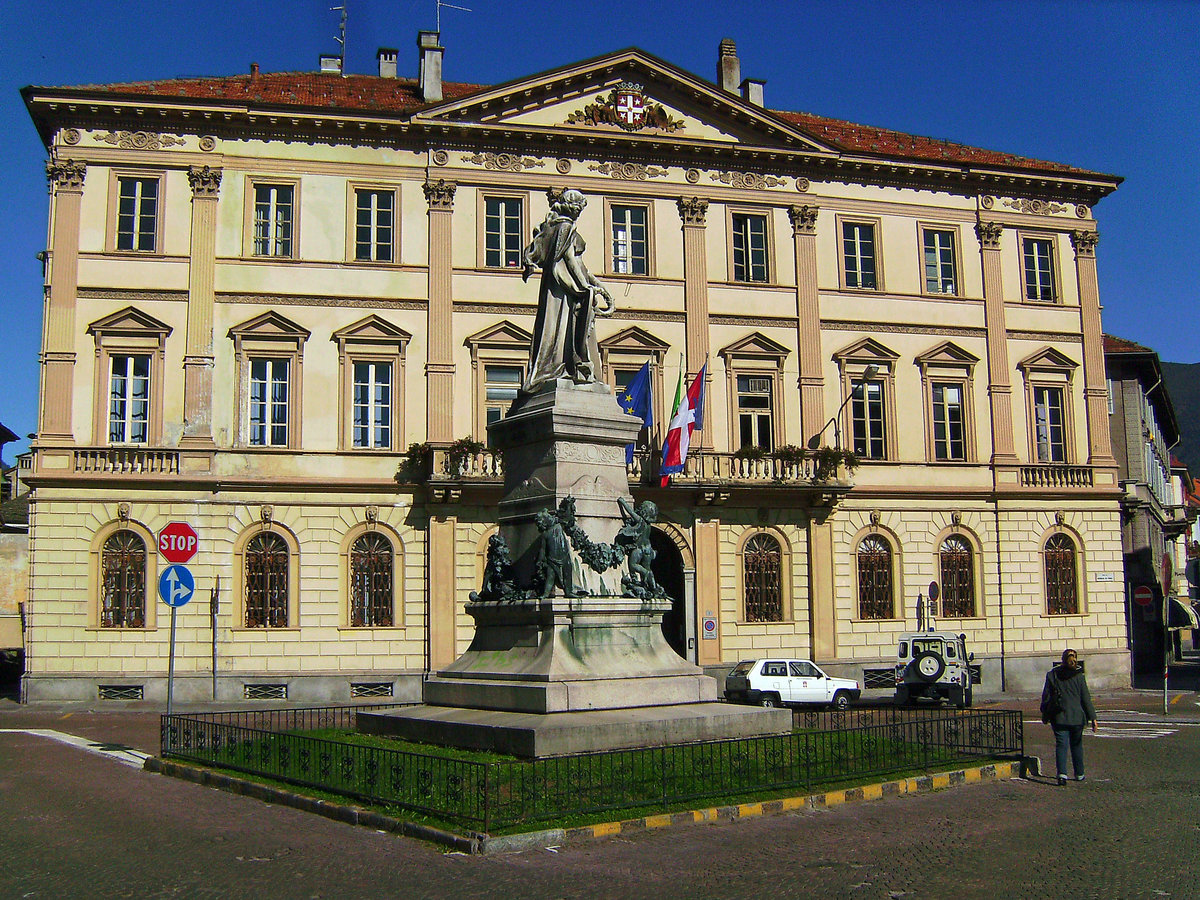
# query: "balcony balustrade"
(1056, 477)
(125, 461)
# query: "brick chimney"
(729, 70)
(431, 65)
(386, 56)
(752, 90)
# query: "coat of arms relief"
(628, 107)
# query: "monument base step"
(576, 695)
(530, 735)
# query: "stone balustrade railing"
(1056, 476)
(126, 461)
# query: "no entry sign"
(1143, 595)
(178, 542)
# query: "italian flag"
(689, 417)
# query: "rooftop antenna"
(440, 4)
(341, 39)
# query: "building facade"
(1155, 514)
(276, 304)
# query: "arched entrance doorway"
(668, 572)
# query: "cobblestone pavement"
(81, 825)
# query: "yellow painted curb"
(935, 782)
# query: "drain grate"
(264, 691)
(120, 692)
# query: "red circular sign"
(178, 542)
(1143, 595)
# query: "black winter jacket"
(1074, 698)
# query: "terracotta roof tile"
(371, 93)
(1114, 344)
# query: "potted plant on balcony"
(414, 467)
(829, 459)
(459, 452)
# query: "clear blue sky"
(1105, 85)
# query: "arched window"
(762, 565)
(266, 581)
(123, 561)
(1062, 596)
(958, 578)
(371, 582)
(874, 578)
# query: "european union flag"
(635, 401)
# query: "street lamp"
(814, 442)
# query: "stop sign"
(177, 542)
(1143, 595)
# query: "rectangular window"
(137, 214)
(274, 218)
(1048, 424)
(749, 248)
(948, 441)
(129, 400)
(502, 232)
(1112, 404)
(867, 420)
(939, 262)
(501, 384)
(374, 225)
(372, 405)
(269, 402)
(629, 240)
(858, 251)
(754, 412)
(1039, 269)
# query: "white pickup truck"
(777, 682)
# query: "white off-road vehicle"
(935, 666)
(778, 682)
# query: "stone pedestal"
(560, 674)
(566, 441)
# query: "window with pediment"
(499, 356)
(1049, 380)
(869, 422)
(754, 373)
(269, 355)
(128, 379)
(371, 378)
(947, 373)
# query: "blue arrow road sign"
(176, 585)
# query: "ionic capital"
(804, 219)
(205, 181)
(692, 210)
(66, 174)
(440, 193)
(989, 234)
(1084, 243)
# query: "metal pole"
(1166, 647)
(171, 666)
(212, 608)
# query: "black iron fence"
(504, 794)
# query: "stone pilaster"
(708, 588)
(198, 361)
(808, 321)
(58, 338)
(443, 591)
(439, 366)
(692, 212)
(1095, 386)
(999, 380)
(822, 617)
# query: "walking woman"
(1067, 707)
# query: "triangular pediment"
(373, 329)
(270, 325)
(867, 350)
(501, 335)
(755, 345)
(129, 320)
(947, 353)
(1048, 358)
(634, 340)
(628, 95)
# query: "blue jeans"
(1065, 735)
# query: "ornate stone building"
(261, 289)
